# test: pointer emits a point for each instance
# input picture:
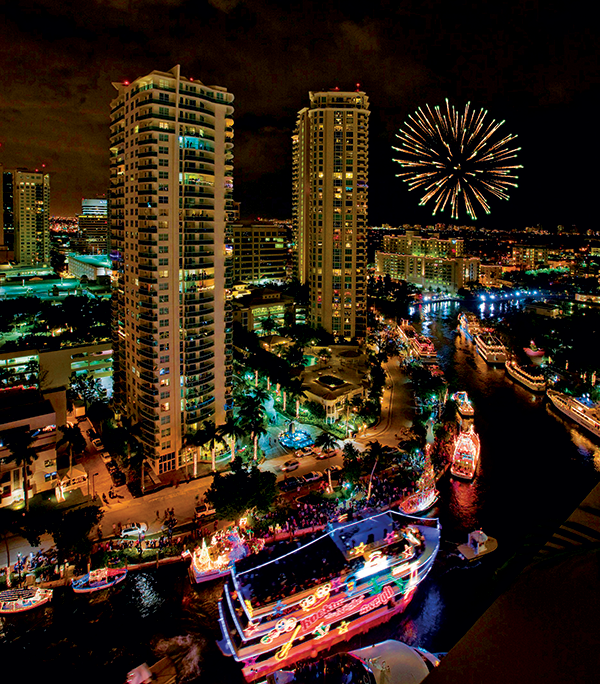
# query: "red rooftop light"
(125, 82)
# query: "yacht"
(293, 600)
(527, 376)
(19, 600)
(581, 410)
(469, 324)
(419, 345)
(490, 348)
(466, 455)
(463, 404)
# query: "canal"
(535, 468)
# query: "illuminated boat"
(463, 404)
(490, 348)
(466, 455)
(531, 378)
(388, 661)
(420, 345)
(425, 494)
(290, 602)
(97, 580)
(469, 324)
(533, 351)
(19, 600)
(215, 561)
(582, 410)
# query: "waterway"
(535, 468)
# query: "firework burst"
(456, 158)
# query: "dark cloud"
(532, 63)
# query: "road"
(150, 509)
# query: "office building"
(93, 226)
(330, 188)
(260, 251)
(171, 184)
(25, 216)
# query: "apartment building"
(171, 141)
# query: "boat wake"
(185, 652)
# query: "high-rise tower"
(171, 184)
(330, 188)
(25, 219)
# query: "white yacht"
(527, 376)
(581, 410)
(490, 348)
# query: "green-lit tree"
(243, 490)
(231, 430)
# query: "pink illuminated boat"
(290, 602)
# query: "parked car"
(106, 457)
(335, 470)
(111, 465)
(203, 510)
(313, 476)
(292, 464)
(97, 443)
(118, 477)
(134, 529)
(289, 484)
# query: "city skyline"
(535, 67)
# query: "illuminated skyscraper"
(25, 218)
(93, 226)
(171, 184)
(330, 188)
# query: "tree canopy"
(245, 488)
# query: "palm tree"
(73, 437)
(252, 417)
(20, 444)
(326, 441)
(233, 430)
(269, 324)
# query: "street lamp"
(19, 567)
(94, 487)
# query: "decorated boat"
(210, 562)
(528, 376)
(469, 324)
(387, 662)
(97, 580)
(532, 350)
(425, 494)
(581, 410)
(463, 404)
(490, 347)
(19, 600)
(466, 455)
(291, 601)
(420, 346)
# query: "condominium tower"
(25, 215)
(171, 184)
(330, 187)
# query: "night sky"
(534, 64)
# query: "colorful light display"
(456, 158)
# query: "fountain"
(295, 439)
